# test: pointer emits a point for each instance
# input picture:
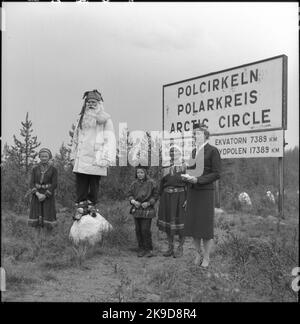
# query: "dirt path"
(102, 278)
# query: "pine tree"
(24, 151)
(71, 133)
(5, 153)
(155, 155)
(63, 157)
(66, 182)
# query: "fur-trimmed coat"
(94, 143)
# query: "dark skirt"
(171, 214)
(200, 209)
(42, 213)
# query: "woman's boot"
(170, 250)
(91, 208)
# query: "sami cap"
(43, 150)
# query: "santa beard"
(88, 121)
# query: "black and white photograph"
(150, 154)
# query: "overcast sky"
(53, 52)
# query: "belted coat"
(45, 182)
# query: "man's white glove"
(103, 163)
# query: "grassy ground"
(251, 261)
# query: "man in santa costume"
(93, 150)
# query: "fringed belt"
(173, 189)
(42, 186)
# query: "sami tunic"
(144, 191)
(171, 213)
(43, 180)
(200, 207)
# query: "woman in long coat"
(93, 149)
(199, 222)
(43, 184)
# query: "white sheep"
(270, 197)
(89, 229)
(244, 199)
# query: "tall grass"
(263, 265)
(27, 250)
(250, 262)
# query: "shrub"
(19, 276)
(263, 265)
(14, 186)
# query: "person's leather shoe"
(92, 209)
(169, 252)
(179, 252)
(141, 253)
(149, 254)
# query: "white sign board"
(243, 99)
(249, 145)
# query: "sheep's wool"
(245, 199)
(270, 197)
(89, 229)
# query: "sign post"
(281, 187)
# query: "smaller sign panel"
(249, 145)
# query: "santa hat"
(95, 94)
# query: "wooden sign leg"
(280, 192)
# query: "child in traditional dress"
(142, 197)
(171, 213)
(42, 185)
